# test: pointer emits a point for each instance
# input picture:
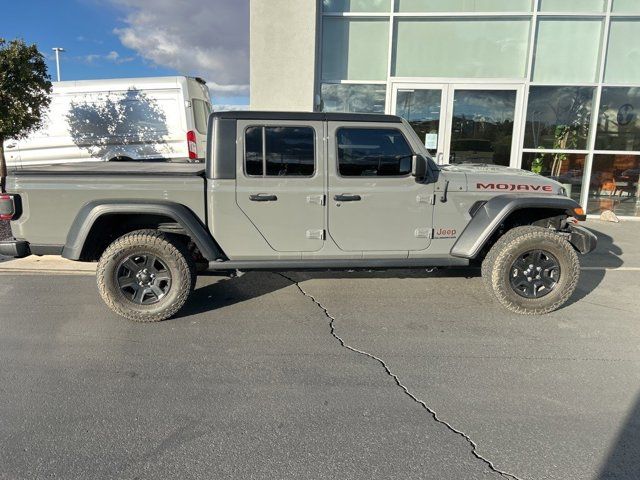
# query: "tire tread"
(174, 250)
(493, 264)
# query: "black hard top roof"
(307, 116)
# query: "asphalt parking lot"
(326, 375)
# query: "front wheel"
(145, 276)
(531, 270)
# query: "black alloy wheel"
(535, 274)
(144, 279)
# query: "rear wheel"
(145, 276)
(531, 270)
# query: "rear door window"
(373, 152)
(280, 151)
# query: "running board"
(340, 264)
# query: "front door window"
(373, 152)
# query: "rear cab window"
(373, 152)
(201, 112)
(273, 151)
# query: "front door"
(463, 123)
(374, 204)
(280, 184)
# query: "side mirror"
(419, 167)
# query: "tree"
(24, 94)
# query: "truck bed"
(53, 195)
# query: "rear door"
(280, 183)
(374, 203)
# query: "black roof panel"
(307, 116)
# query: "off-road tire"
(497, 265)
(171, 251)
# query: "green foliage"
(538, 163)
(24, 88)
(565, 138)
(24, 93)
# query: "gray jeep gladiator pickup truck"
(286, 191)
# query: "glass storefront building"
(551, 86)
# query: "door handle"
(262, 197)
(10, 145)
(347, 198)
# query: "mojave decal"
(515, 187)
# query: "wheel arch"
(503, 209)
(99, 216)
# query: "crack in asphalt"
(387, 369)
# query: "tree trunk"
(3, 167)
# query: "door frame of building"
(446, 111)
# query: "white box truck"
(162, 118)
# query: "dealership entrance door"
(463, 123)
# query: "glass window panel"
(615, 184)
(623, 54)
(493, 48)
(373, 152)
(566, 168)
(253, 151)
(626, 6)
(618, 122)
(482, 126)
(354, 49)
(290, 151)
(352, 98)
(463, 5)
(356, 5)
(573, 5)
(201, 111)
(558, 117)
(567, 50)
(421, 108)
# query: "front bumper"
(15, 248)
(582, 239)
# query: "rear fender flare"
(92, 211)
(489, 217)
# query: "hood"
(496, 178)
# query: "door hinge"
(318, 199)
(424, 233)
(316, 234)
(430, 199)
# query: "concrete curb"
(45, 265)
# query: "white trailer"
(162, 118)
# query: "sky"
(139, 38)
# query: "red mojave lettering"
(513, 187)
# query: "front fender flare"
(92, 211)
(488, 218)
